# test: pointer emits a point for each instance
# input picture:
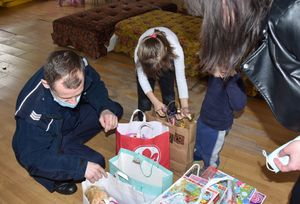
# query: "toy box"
(242, 192)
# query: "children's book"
(242, 192)
(186, 191)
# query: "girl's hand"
(219, 73)
(184, 113)
(222, 74)
(160, 108)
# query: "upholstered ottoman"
(186, 27)
(90, 31)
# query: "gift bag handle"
(139, 133)
(210, 183)
(139, 162)
(135, 112)
(122, 176)
(178, 111)
(119, 174)
(190, 170)
(169, 108)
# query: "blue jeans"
(209, 143)
(166, 83)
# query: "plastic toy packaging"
(210, 186)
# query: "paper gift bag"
(121, 192)
(182, 142)
(150, 139)
(144, 174)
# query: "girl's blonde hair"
(155, 54)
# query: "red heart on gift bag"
(154, 157)
(149, 151)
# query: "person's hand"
(222, 73)
(160, 108)
(219, 73)
(108, 120)
(293, 151)
(184, 113)
(94, 172)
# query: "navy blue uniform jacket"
(222, 99)
(38, 134)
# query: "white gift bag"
(122, 192)
(133, 128)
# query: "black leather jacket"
(274, 67)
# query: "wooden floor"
(25, 42)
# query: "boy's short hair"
(61, 64)
(155, 54)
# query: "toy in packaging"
(218, 187)
(210, 187)
(240, 191)
(258, 198)
(186, 191)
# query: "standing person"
(263, 37)
(159, 57)
(62, 106)
(224, 96)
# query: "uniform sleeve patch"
(35, 116)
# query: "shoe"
(66, 188)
